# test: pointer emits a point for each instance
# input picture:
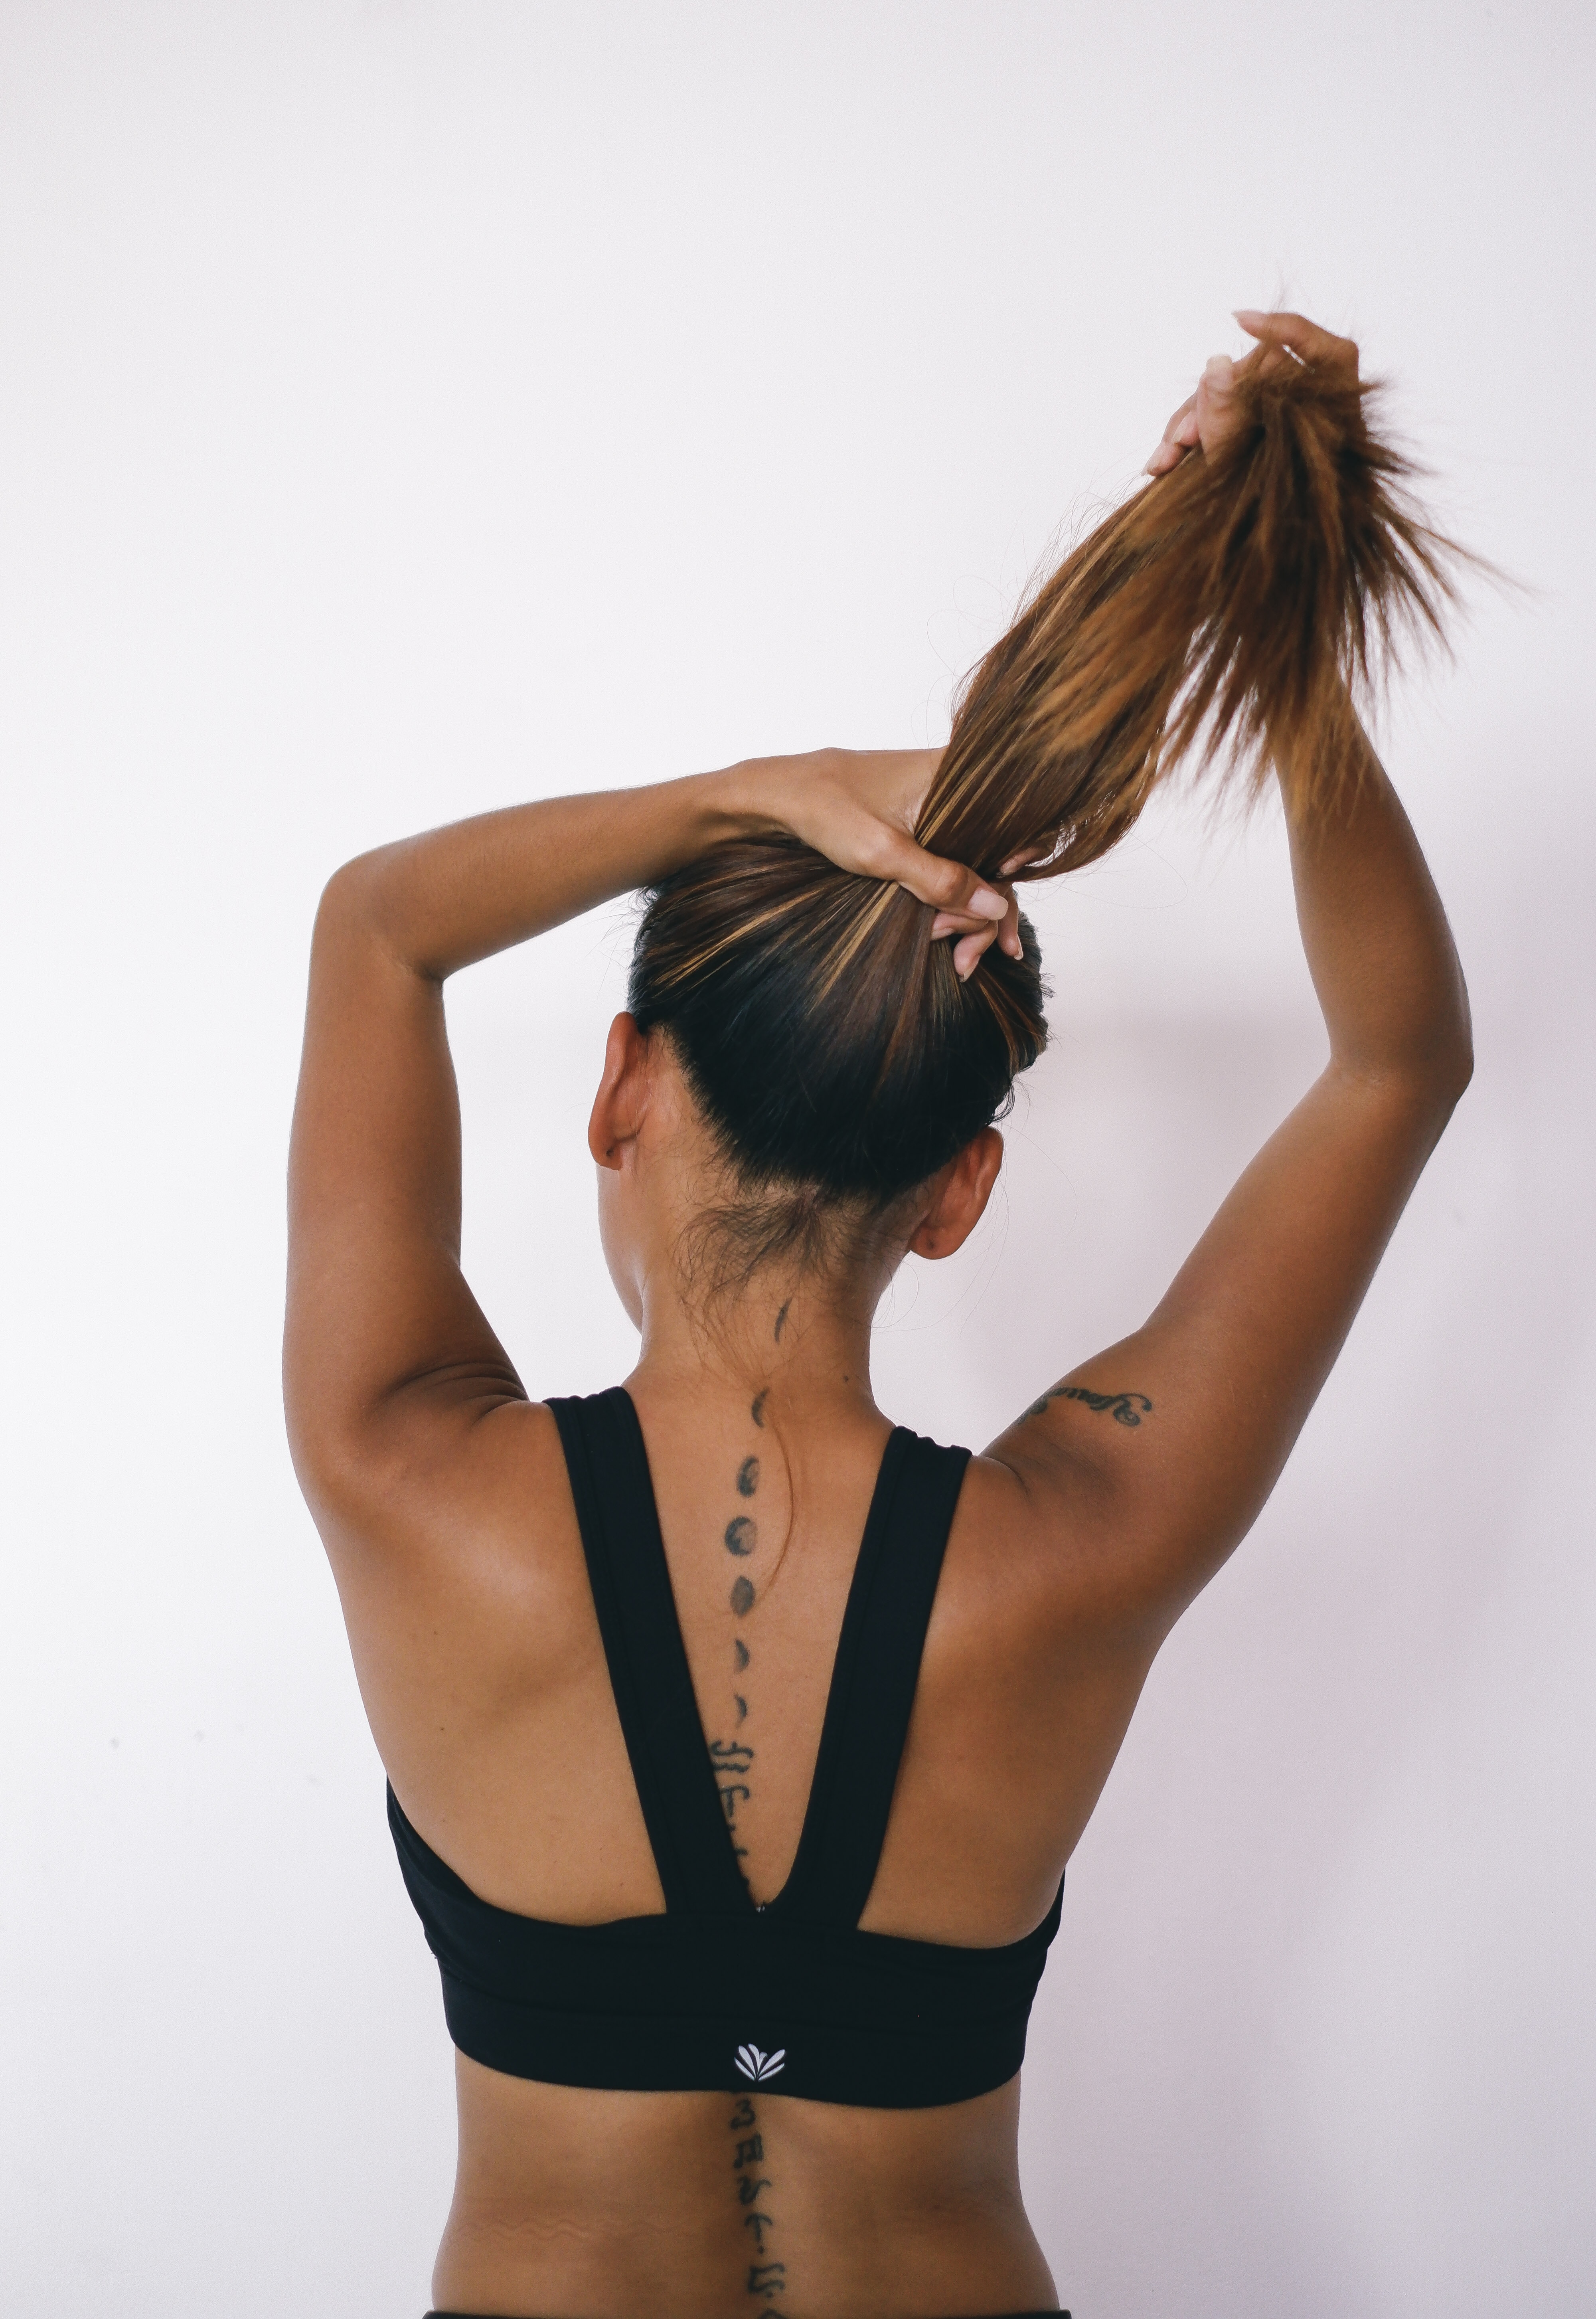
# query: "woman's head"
(831, 1049)
(833, 1058)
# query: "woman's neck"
(792, 1350)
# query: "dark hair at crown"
(825, 1036)
(1236, 602)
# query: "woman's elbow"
(1457, 1043)
(349, 892)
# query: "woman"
(706, 2068)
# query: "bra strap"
(608, 1463)
(874, 1680)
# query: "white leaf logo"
(759, 2066)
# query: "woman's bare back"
(498, 1725)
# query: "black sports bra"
(720, 1992)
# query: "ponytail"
(1235, 605)
(1240, 602)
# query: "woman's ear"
(960, 1193)
(621, 1104)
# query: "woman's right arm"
(1153, 1459)
(390, 1363)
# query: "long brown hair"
(1234, 608)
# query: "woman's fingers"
(1205, 418)
(1179, 437)
(861, 833)
(976, 935)
(1202, 420)
(1215, 399)
(972, 943)
(848, 808)
(968, 954)
(1298, 335)
(948, 885)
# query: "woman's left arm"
(384, 1335)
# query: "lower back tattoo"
(767, 2277)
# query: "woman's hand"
(1205, 419)
(858, 807)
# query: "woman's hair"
(1233, 604)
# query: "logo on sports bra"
(759, 2066)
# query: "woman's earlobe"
(603, 1142)
(605, 1149)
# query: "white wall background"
(407, 409)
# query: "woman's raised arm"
(381, 1325)
(1155, 1456)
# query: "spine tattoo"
(733, 1760)
(767, 2277)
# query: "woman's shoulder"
(1043, 1547)
(465, 1529)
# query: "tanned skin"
(1081, 1534)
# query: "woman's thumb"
(1215, 389)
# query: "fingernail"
(1217, 368)
(985, 904)
(1248, 316)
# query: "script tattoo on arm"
(766, 2280)
(1125, 1408)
